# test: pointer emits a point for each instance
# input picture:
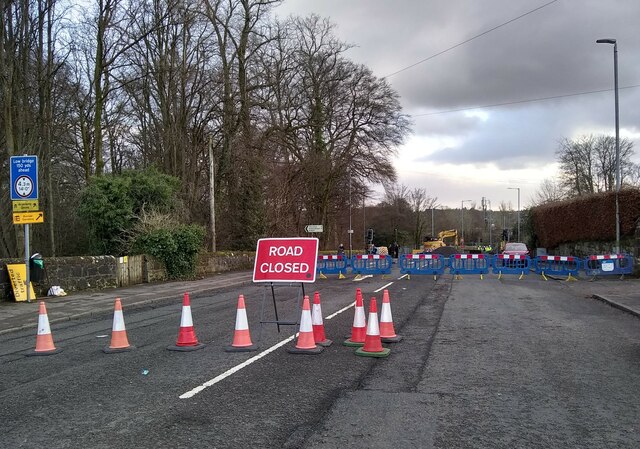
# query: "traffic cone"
(187, 340)
(44, 339)
(359, 328)
(119, 340)
(387, 332)
(372, 343)
(305, 343)
(318, 325)
(241, 335)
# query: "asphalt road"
(492, 363)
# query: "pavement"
(15, 316)
(623, 294)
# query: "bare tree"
(339, 121)
(549, 190)
(587, 164)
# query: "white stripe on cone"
(43, 325)
(316, 315)
(241, 320)
(186, 320)
(372, 327)
(358, 317)
(118, 321)
(385, 313)
(305, 321)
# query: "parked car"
(516, 249)
(519, 249)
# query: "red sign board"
(286, 260)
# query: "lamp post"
(433, 228)
(615, 82)
(490, 223)
(462, 214)
(350, 231)
(518, 189)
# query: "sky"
(478, 77)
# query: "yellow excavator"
(438, 242)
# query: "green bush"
(110, 205)
(177, 247)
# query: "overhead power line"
(470, 39)
(530, 100)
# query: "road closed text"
(286, 267)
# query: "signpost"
(313, 228)
(24, 195)
(285, 260)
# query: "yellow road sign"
(25, 206)
(18, 276)
(28, 217)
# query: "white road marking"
(383, 287)
(235, 369)
(403, 276)
(215, 380)
(340, 311)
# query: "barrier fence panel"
(422, 264)
(371, 264)
(511, 264)
(557, 265)
(608, 264)
(469, 264)
(332, 264)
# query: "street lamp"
(615, 81)
(518, 189)
(462, 211)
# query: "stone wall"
(211, 263)
(71, 273)
(100, 272)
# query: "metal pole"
(490, 241)
(462, 211)
(615, 75)
(26, 261)
(212, 196)
(614, 42)
(433, 231)
(350, 227)
(462, 215)
(518, 189)
(519, 214)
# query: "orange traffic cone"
(241, 336)
(44, 339)
(387, 332)
(372, 344)
(318, 325)
(119, 340)
(187, 340)
(359, 328)
(305, 343)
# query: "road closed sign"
(286, 260)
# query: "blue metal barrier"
(557, 266)
(511, 264)
(422, 264)
(608, 264)
(332, 264)
(469, 264)
(371, 264)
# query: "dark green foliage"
(586, 218)
(176, 247)
(111, 204)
